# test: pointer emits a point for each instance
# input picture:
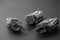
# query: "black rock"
(14, 24)
(46, 25)
(34, 17)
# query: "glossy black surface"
(19, 8)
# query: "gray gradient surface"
(19, 8)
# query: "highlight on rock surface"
(34, 17)
(14, 24)
(46, 25)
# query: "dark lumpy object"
(34, 18)
(48, 25)
(15, 25)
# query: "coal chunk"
(14, 24)
(34, 17)
(46, 25)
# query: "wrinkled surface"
(47, 25)
(34, 17)
(14, 24)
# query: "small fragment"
(34, 17)
(47, 25)
(14, 24)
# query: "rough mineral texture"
(46, 25)
(34, 17)
(14, 24)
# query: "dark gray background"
(19, 8)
